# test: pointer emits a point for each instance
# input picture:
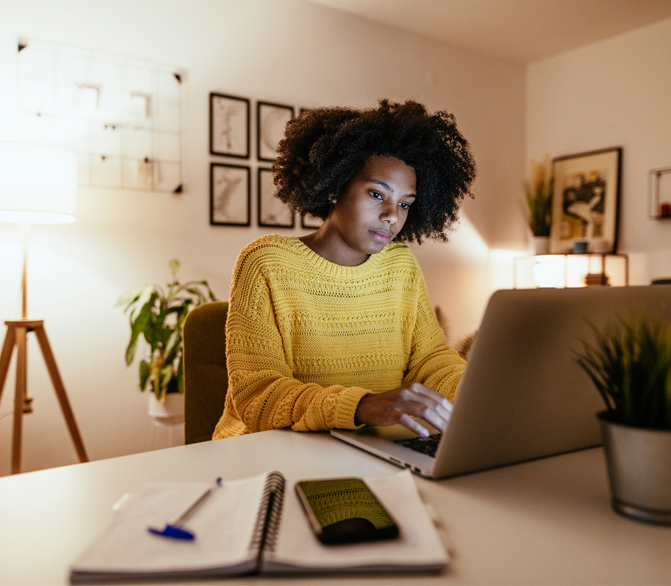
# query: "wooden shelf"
(571, 270)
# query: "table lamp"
(38, 185)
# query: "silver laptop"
(523, 395)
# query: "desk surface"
(542, 522)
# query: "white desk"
(542, 522)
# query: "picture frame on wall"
(230, 195)
(229, 126)
(271, 122)
(585, 202)
(272, 212)
(311, 222)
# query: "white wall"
(613, 93)
(287, 51)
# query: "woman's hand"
(401, 404)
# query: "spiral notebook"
(254, 525)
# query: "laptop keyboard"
(425, 445)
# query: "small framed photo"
(271, 122)
(229, 126)
(585, 202)
(273, 213)
(230, 195)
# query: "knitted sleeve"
(262, 389)
(432, 363)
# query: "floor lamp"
(38, 185)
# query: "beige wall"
(613, 93)
(288, 51)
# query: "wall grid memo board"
(122, 116)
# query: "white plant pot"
(541, 244)
(168, 412)
(639, 470)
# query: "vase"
(168, 412)
(541, 244)
(639, 470)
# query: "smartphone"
(344, 510)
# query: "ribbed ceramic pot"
(541, 244)
(639, 469)
(168, 412)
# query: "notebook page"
(418, 547)
(223, 525)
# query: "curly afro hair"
(325, 147)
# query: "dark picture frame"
(311, 222)
(586, 201)
(230, 195)
(229, 126)
(271, 120)
(272, 213)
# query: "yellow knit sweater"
(306, 339)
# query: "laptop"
(523, 396)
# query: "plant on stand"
(539, 202)
(630, 365)
(158, 315)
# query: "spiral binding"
(269, 515)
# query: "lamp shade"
(38, 183)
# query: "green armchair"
(205, 373)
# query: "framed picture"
(273, 213)
(585, 202)
(229, 126)
(230, 196)
(271, 122)
(310, 221)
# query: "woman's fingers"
(400, 405)
(414, 426)
(427, 404)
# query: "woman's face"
(372, 209)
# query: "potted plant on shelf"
(158, 316)
(539, 202)
(630, 364)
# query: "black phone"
(344, 510)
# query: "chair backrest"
(205, 374)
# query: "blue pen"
(172, 528)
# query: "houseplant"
(158, 315)
(538, 190)
(630, 364)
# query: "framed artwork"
(310, 221)
(273, 213)
(271, 122)
(660, 193)
(229, 126)
(585, 201)
(230, 195)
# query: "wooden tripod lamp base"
(17, 335)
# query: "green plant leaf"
(146, 293)
(159, 316)
(145, 371)
(629, 363)
(129, 297)
(137, 327)
(173, 345)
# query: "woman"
(335, 329)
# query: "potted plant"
(539, 203)
(630, 364)
(158, 316)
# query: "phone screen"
(344, 510)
